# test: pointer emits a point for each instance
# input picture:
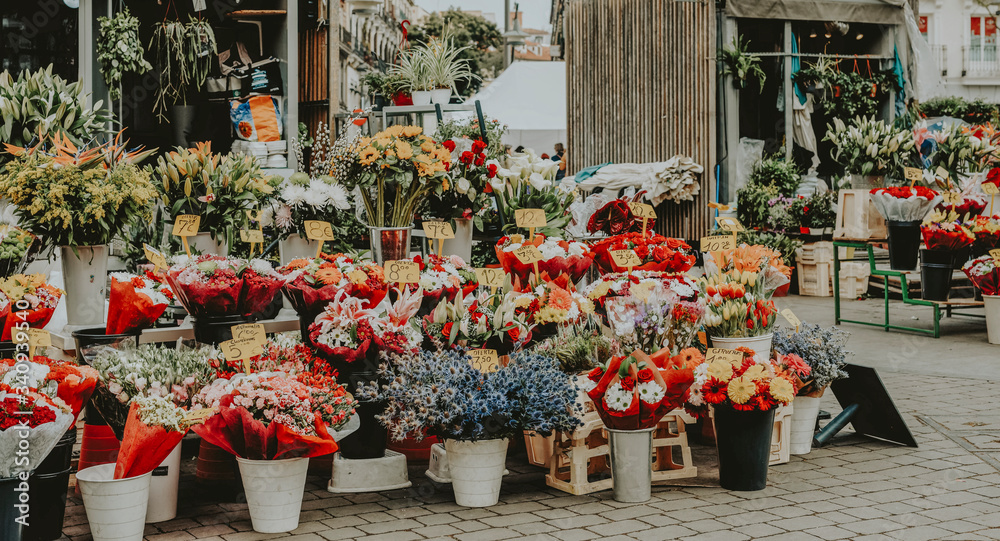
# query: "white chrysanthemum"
(617, 398)
(586, 384)
(293, 194)
(261, 267)
(650, 392)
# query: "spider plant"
(184, 53)
(412, 70)
(741, 64)
(443, 65)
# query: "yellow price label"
(186, 225)
(250, 331)
(941, 172)
(726, 355)
(718, 243)
(528, 254)
(951, 198)
(728, 223)
(625, 258)
(240, 349)
(485, 360)
(318, 230)
(528, 218)
(990, 189)
(791, 318)
(252, 236)
(198, 416)
(490, 277)
(155, 257)
(39, 338)
(438, 230)
(642, 210)
(996, 256)
(402, 271)
(913, 173)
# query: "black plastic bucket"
(88, 339)
(904, 244)
(743, 439)
(215, 329)
(8, 349)
(48, 505)
(9, 498)
(369, 440)
(61, 457)
(937, 257)
(935, 281)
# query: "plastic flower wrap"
(135, 302)
(489, 321)
(65, 380)
(973, 204)
(211, 285)
(616, 218)
(633, 393)
(154, 427)
(267, 416)
(752, 384)
(946, 235)
(987, 232)
(41, 297)
(558, 257)
(32, 419)
(346, 331)
(443, 278)
(310, 284)
(903, 203)
(984, 273)
(658, 253)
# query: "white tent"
(530, 98)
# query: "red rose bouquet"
(41, 299)
(310, 284)
(211, 285)
(747, 385)
(558, 257)
(616, 218)
(903, 203)
(135, 302)
(946, 235)
(973, 204)
(633, 393)
(984, 273)
(71, 383)
(658, 253)
(31, 419)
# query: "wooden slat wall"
(641, 88)
(313, 79)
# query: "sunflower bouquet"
(394, 172)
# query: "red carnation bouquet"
(946, 235)
(903, 203)
(28, 298)
(311, 284)
(616, 218)
(135, 302)
(658, 253)
(69, 382)
(633, 393)
(984, 273)
(558, 257)
(443, 278)
(30, 427)
(211, 285)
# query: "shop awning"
(853, 11)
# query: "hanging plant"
(741, 64)
(119, 50)
(184, 53)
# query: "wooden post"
(789, 91)
(333, 63)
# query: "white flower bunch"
(870, 147)
(301, 193)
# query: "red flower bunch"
(658, 253)
(946, 236)
(993, 176)
(212, 285)
(616, 218)
(633, 393)
(13, 408)
(294, 359)
(972, 205)
(905, 192)
(558, 257)
(747, 385)
(65, 380)
(312, 283)
(984, 273)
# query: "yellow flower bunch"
(403, 146)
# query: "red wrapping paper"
(657, 252)
(144, 447)
(576, 266)
(129, 310)
(308, 300)
(938, 238)
(37, 319)
(639, 414)
(225, 293)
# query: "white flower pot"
(992, 303)
(116, 508)
(476, 470)
(274, 491)
(803, 424)
(461, 245)
(761, 345)
(441, 95)
(421, 97)
(163, 488)
(204, 243)
(296, 247)
(85, 275)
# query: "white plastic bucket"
(761, 345)
(163, 488)
(992, 304)
(274, 492)
(803, 424)
(476, 470)
(116, 508)
(85, 272)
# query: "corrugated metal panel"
(641, 88)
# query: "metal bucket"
(631, 464)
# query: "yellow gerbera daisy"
(741, 389)
(782, 390)
(720, 370)
(755, 372)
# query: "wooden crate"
(780, 435)
(857, 217)
(815, 252)
(584, 453)
(854, 279)
(814, 279)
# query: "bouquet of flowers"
(311, 284)
(71, 383)
(135, 302)
(946, 235)
(270, 416)
(739, 285)
(984, 273)
(813, 355)
(444, 278)
(578, 348)
(211, 285)
(17, 248)
(956, 148)
(495, 322)
(154, 427)
(987, 232)
(658, 253)
(525, 181)
(285, 353)
(903, 203)
(750, 385)
(870, 147)
(465, 193)
(616, 218)
(973, 204)
(300, 198)
(633, 393)
(346, 330)
(554, 303)
(558, 257)
(41, 297)
(32, 419)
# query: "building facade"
(963, 39)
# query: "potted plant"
(444, 68)
(414, 75)
(815, 356)
(379, 87)
(741, 64)
(819, 212)
(78, 200)
(184, 54)
(985, 274)
(871, 150)
(475, 409)
(119, 50)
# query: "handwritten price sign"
(990, 189)
(490, 277)
(403, 272)
(642, 210)
(530, 218)
(941, 172)
(318, 230)
(727, 355)
(718, 243)
(485, 360)
(951, 198)
(727, 223)
(438, 230)
(155, 257)
(186, 225)
(198, 416)
(250, 331)
(791, 318)
(913, 174)
(625, 258)
(996, 256)
(253, 236)
(528, 254)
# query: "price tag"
(254, 331)
(490, 277)
(198, 416)
(318, 230)
(438, 230)
(791, 318)
(718, 243)
(642, 210)
(625, 258)
(155, 257)
(241, 349)
(357, 276)
(727, 355)
(485, 360)
(403, 272)
(528, 254)
(913, 173)
(996, 256)
(990, 189)
(530, 218)
(186, 225)
(39, 338)
(941, 172)
(728, 223)
(951, 198)
(252, 236)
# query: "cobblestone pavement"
(854, 488)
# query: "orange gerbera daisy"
(560, 299)
(329, 276)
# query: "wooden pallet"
(583, 454)
(857, 217)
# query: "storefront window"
(36, 33)
(983, 39)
